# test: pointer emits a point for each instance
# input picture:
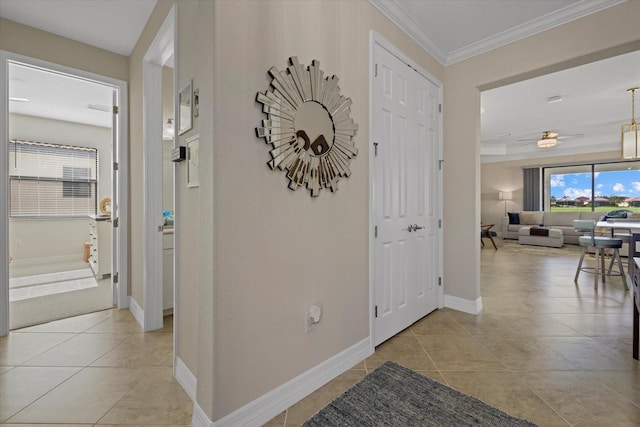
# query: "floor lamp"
(505, 195)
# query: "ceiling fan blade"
(552, 135)
(575, 135)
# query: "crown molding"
(551, 20)
(546, 156)
(397, 14)
(394, 10)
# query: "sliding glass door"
(604, 187)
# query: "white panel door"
(405, 195)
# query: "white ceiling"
(595, 103)
(595, 98)
(113, 25)
(454, 30)
(34, 92)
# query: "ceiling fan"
(550, 139)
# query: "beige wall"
(276, 251)
(612, 31)
(190, 234)
(28, 41)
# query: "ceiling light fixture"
(554, 99)
(19, 99)
(502, 135)
(99, 107)
(548, 140)
(630, 140)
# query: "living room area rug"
(393, 395)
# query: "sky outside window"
(623, 183)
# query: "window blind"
(51, 180)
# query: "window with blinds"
(51, 180)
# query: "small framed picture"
(186, 108)
(193, 160)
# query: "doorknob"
(415, 227)
(410, 228)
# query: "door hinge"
(115, 109)
(439, 223)
(439, 108)
(440, 163)
(115, 278)
(116, 223)
(376, 311)
(375, 72)
(439, 281)
(375, 231)
(375, 149)
(116, 166)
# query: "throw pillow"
(513, 218)
(532, 217)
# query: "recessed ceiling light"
(19, 99)
(98, 107)
(553, 99)
(502, 135)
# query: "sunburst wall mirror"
(308, 126)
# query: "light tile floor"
(542, 349)
(92, 369)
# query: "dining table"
(632, 227)
(612, 224)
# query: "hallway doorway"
(62, 138)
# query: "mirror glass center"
(314, 128)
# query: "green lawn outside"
(603, 209)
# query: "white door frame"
(161, 50)
(120, 250)
(377, 39)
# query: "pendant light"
(630, 139)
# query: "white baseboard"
(199, 418)
(185, 378)
(464, 305)
(267, 406)
(137, 311)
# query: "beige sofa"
(560, 220)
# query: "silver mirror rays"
(313, 142)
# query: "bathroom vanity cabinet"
(100, 246)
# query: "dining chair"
(625, 235)
(485, 231)
(599, 244)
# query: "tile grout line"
(428, 355)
